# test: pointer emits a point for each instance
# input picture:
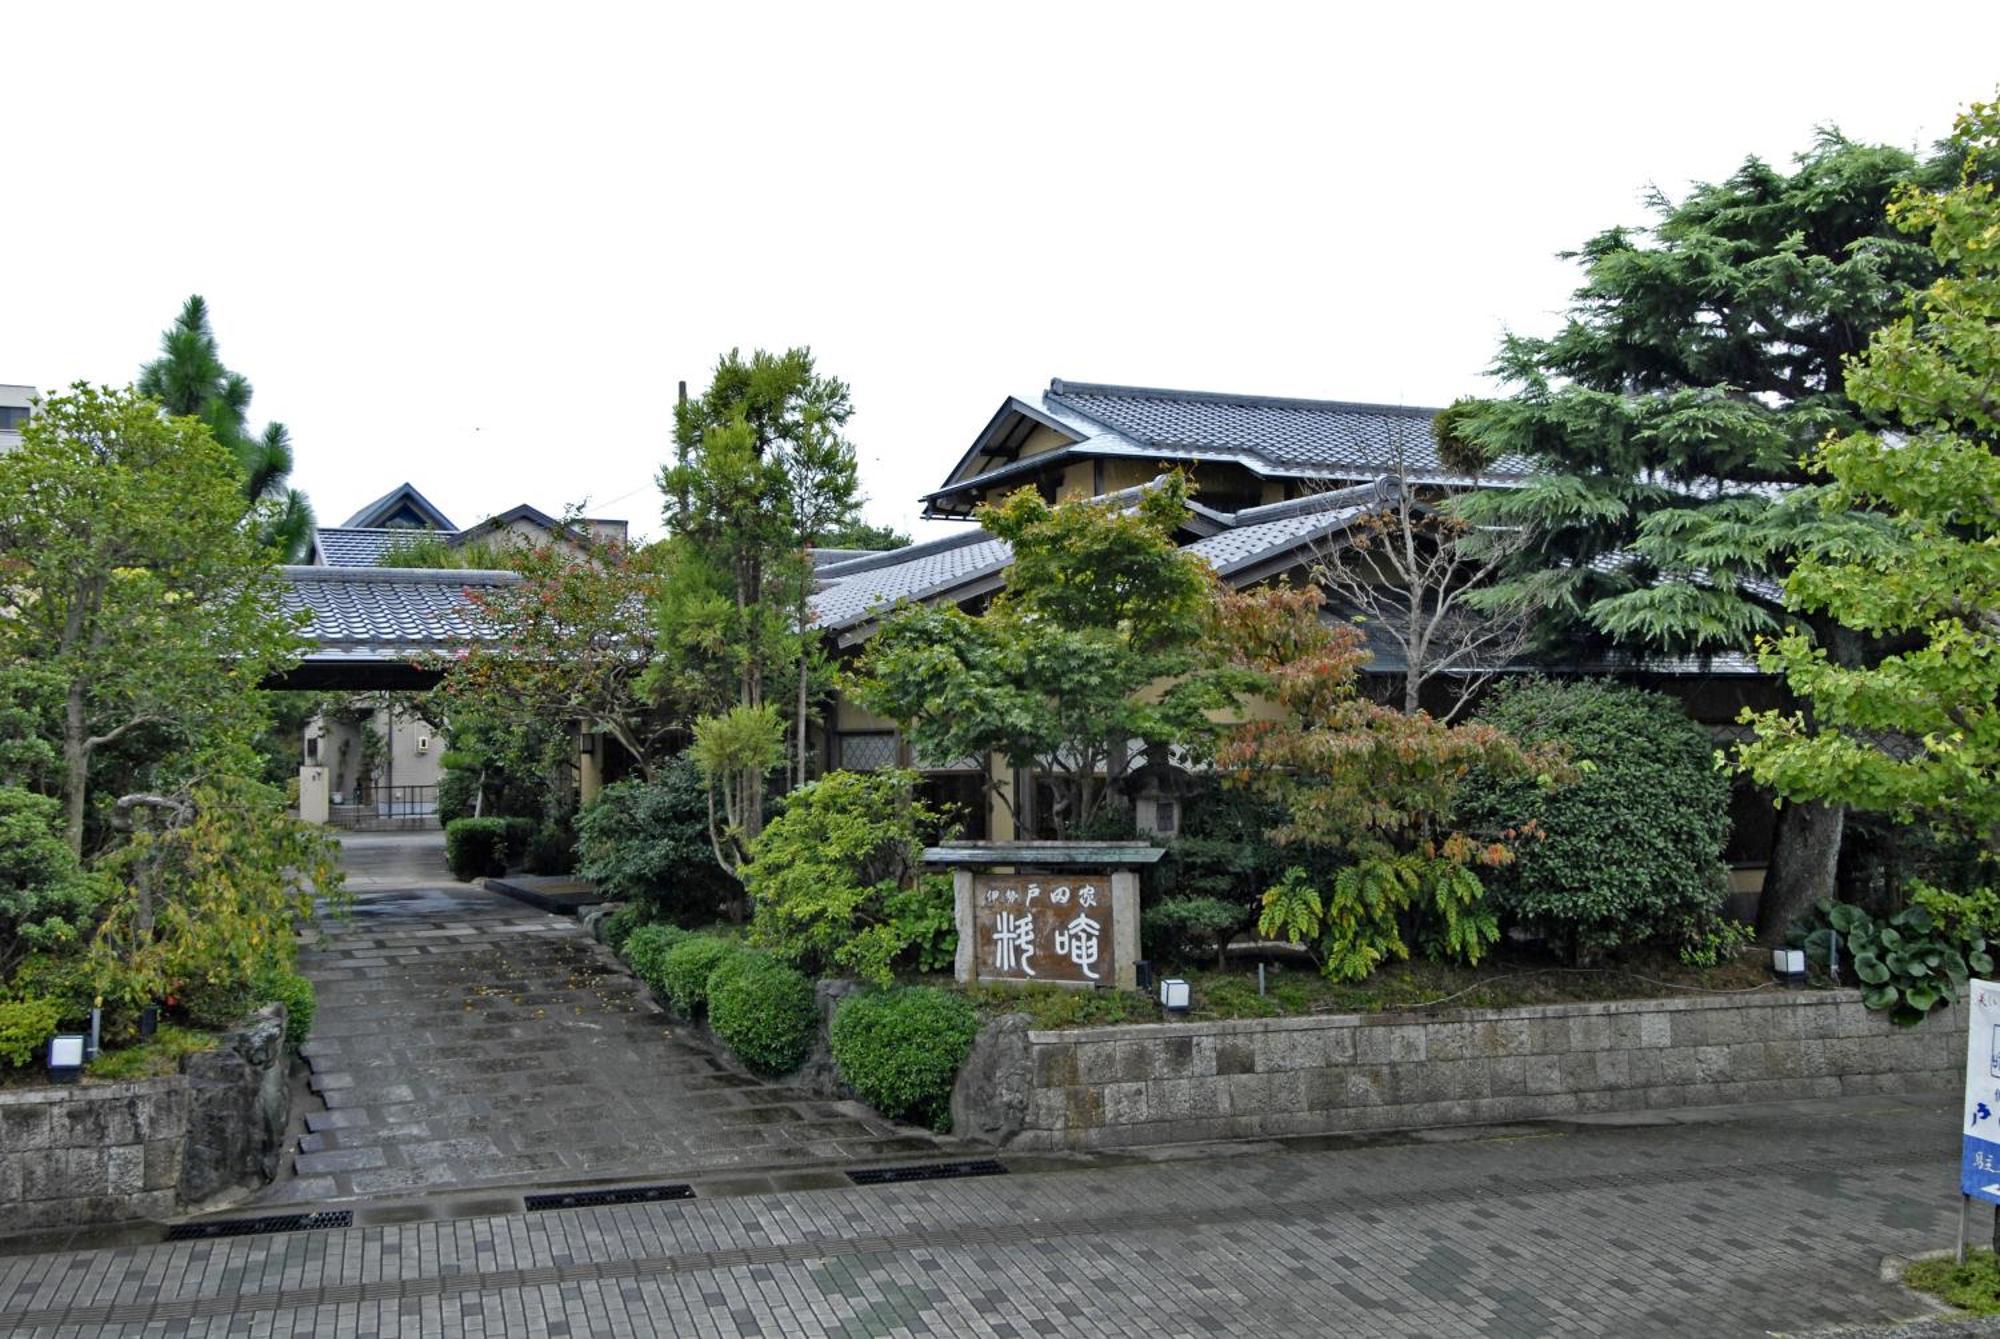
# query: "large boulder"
(240, 1102)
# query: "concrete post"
(1124, 927)
(313, 794)
(589, 773)
(967, 965)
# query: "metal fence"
(376, 808)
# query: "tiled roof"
(360, 546)
(1288, 537)
(386, 613)
(1321, 436)
(861, 587)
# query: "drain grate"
(590, 1199)
(249, 1227)
(930, 1171)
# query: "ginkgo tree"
(1916, 733)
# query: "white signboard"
(1979, 1161)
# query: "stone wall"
(119, 1152)
(1177, 1082)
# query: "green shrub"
(685, 967)
(1180, 928)
(457, 790)
(647, 843)
(301, 1003)
(1221, 850)
(617, 927)
(1628, 853)
(25, 1025)
(476, 848)
(646, 949)
(763, 1010)
(901, 1049)
(48, 903)
(520, 838)
(826, 870)
(551, 849)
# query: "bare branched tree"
(1405, 570)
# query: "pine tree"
(189, 378)
(1699, 361)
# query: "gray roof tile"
(387, 613)
(1316, 436)
(860, 588)
(360, 546)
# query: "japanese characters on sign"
(1979, 1156)
(1044, 927)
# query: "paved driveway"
(1764, 1221)
(466, 1040)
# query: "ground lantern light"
(65, 1057)
(1789, 965)
(1175, 996)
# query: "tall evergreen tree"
(189, 378)
(1698, 362)
(764, 472)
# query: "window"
(12, 416)
(1165, 817)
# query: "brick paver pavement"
(1720, 1223)
(466, 1040)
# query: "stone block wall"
(92, 1153)
(1177, 1082)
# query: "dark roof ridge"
(464, 576)
(893, 557)
(1059, 388)
(1380, 490)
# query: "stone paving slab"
(464, 1039)
(1766, 1225)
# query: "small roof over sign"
(1042, 853)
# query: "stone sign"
(1045, 927)
(1065, 913)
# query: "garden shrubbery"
(685, 968)
(25, 1025)
(901, 1049)
(476, 848)
(301, 1002)
(646, 843)
(1183, 928)
(763, 1010)
(835, 879)
(646, 949)
(1630, 851)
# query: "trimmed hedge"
(1630, 853)
(476, 848)
(685, 967)
(763, 1010)
(646, 949)
(901, 1049)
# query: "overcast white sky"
(475, 246)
